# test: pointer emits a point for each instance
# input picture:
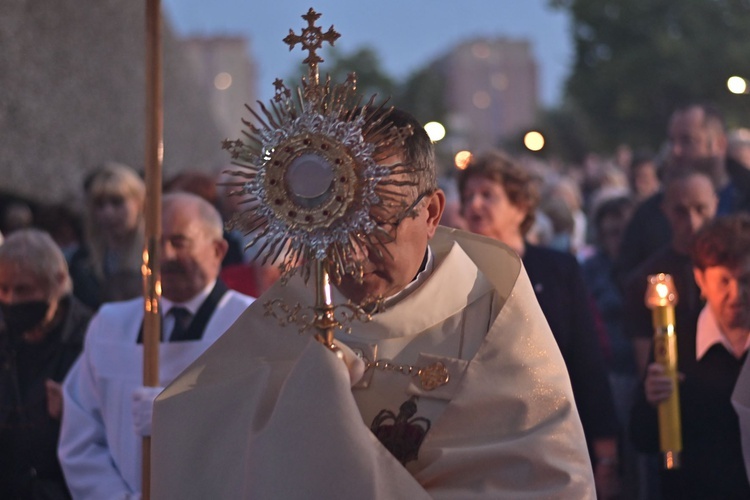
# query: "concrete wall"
(72, 95)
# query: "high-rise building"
(490, 90)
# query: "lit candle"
(661, 298)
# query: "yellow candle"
(661, 298)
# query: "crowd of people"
(540, 324)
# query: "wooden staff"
(151, 258)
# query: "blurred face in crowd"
(727, 292)
(116, 213)
(25, 297)
(689, 203)
(397, 265)
(610, 231)
(191, 251)
(488, 210)
(645, 180)
(691, 139)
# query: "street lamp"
(462, 159)
(533, 140)
(737, 85)
(435, 131)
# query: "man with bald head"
(107, 410)
(696, 133)
(690, 201)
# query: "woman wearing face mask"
(108, 267)
(41, 335)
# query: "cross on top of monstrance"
(312, 165)
(311, 39)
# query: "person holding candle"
(711, 352)
(690, 200)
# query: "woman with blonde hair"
(107, 267)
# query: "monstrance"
(312, 165)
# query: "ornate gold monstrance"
(311, 169)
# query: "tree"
(423, 95)
(364, 62)
(637, 60)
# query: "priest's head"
(410, 222)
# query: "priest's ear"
(435, 207)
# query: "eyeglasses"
(390, 226)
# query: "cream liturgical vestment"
(269, 413)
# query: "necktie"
(182, 318)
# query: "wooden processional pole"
(151, 270)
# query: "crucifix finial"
(311, 39)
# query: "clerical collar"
(428, 264)
(191, 305)
(709, 333)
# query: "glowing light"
(462, 159)
(223, 81)
(499, 81)
(534, 141)
(660, 291)
(737, 85)
(435, 130)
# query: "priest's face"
(398, 263)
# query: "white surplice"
(99, 450)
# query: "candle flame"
(660, 291)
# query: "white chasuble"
(269, 413)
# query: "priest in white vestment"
(268, 412)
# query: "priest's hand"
(143, 404)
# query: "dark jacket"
(565, 301)
(712, 465)
(29, 468)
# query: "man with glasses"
(455, 385)
(107, 411)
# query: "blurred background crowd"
(648, 144)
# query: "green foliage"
(372, 79)
(423, 95)
(636, 60)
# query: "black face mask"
(23, 316)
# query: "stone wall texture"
(72, 96)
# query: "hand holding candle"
(661, 299)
